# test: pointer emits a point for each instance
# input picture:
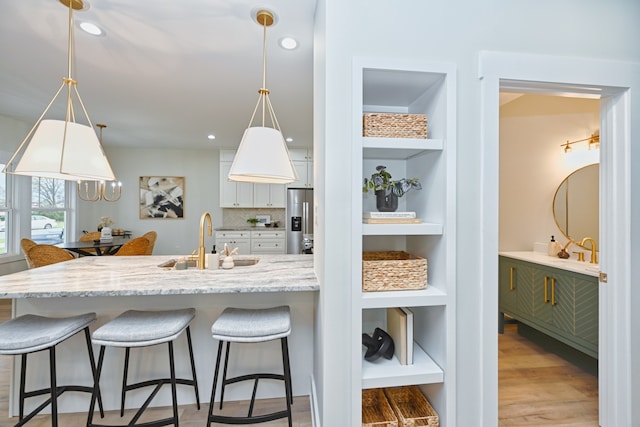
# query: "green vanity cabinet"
(516, 288)
(559, 303)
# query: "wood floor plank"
(538, 388)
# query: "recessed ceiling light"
(91, 28)
(289, 139)
(211, 136)
(288, 43)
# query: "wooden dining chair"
(151, 236)
(136, 246)
(41, 255)
(90, 237)
(27, 244)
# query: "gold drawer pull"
(546, 291)
(511, 271)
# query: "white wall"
(532, 163)
(202, 193)
(453, 31)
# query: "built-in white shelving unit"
(397, 86)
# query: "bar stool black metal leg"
(92, 361)
(23, 378)
(96, 386)
(215, 383)
(123, 393)
(54, 386)
(193, 367)
(287, 377)
(174, 393)
(224, 373)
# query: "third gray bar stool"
(252, 326)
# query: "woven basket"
(376, 411)
(411, 407)
(391, 125)
(393, 271)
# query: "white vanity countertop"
(140, 275)
(564, 264)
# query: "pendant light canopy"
(262, 156)
(63, 149)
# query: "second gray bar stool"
(141, 329)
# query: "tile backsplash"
(237, 217)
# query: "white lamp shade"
(262, 157)
(76, 156)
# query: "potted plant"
(253, 221)
(387, 190)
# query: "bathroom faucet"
(594, 256)
(201, 250)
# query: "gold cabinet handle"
(511, 271)
(553, 291)
(546, 291)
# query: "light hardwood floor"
(189, 415)
(538, 388)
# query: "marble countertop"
(140, 275)
(564, 264)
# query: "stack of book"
(400, 328)
(390, 218)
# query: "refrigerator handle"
(305, 216)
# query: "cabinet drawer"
(271, 246)
(267, 234)
(233, 234)
(243, 245)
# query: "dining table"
(94, 248)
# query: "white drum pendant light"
(262, 156)
(63, 149)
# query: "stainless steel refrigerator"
(299, 217)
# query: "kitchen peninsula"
(111, 285)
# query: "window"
(48, 210)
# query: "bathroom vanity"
(558, 298)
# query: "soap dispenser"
(554, 247)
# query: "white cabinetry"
(267, 242)
(234, 239)
(302, 160)
(233, 194)
(245, 194)
(408, 87)
(269, 196)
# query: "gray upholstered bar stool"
(31, 333)
(135, 328)
(252, 326)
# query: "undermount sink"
(191, 263)
(244, 262)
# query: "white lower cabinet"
(252, 242)
(234, 239)
(268, 242)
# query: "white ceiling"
(166, 73)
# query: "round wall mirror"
(575, 204)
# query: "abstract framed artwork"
(161, 197)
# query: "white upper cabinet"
(269, 195)
(303, 163)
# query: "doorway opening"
(611, 83)
(547, 360)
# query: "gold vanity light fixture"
(63, 149)
(93, 191)
(593, 142)
(262, 156)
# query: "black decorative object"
(386, 202)
(381, 344)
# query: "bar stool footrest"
(249, 420)
(248, 377)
